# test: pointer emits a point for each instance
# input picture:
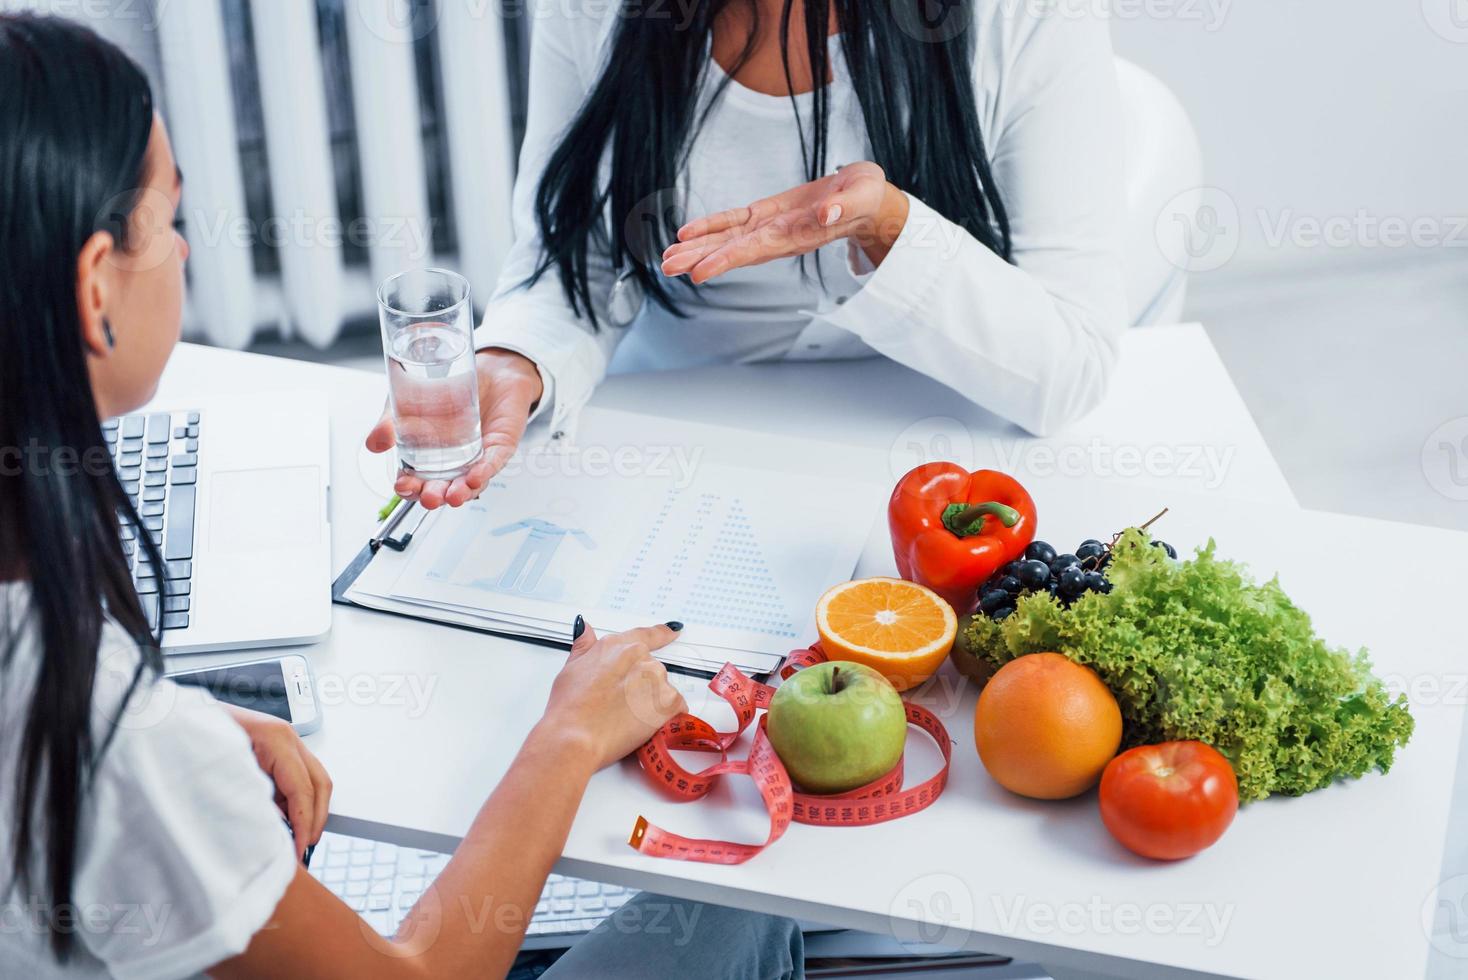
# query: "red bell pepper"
(952, 529)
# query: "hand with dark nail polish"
(613, 692)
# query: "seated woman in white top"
(972, 233)
(140, 835)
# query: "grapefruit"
(1045, 727)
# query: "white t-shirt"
(182, 854)
(1034, 341)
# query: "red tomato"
(1169, 801)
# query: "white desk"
(421, 721)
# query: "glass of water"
(428, 341)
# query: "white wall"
(1347, 112)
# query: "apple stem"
(837, 681)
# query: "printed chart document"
(629, 530)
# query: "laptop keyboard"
(157, 459)
(382, 881)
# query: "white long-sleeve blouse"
(1033, 340)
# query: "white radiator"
(315, 291)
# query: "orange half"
(899, 628)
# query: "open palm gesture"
(855, 202)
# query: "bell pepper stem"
(966, 520)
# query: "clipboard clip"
(384, 534)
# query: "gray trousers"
(652, 937)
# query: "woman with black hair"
(935, 181)
(146, 831)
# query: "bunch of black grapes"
(1067, 577)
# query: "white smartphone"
(280, 686)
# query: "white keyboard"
(382, 881)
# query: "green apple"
(837, 726)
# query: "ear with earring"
(107, 335)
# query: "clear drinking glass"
(428, 342)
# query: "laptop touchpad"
(265, 510)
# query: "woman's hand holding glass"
(855, 202)
(509, 389)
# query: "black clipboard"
(387, 536)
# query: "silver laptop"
(235, 492)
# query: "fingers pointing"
(653, 637)
(583, 637)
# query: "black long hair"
(913, 79)
(75, 119)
